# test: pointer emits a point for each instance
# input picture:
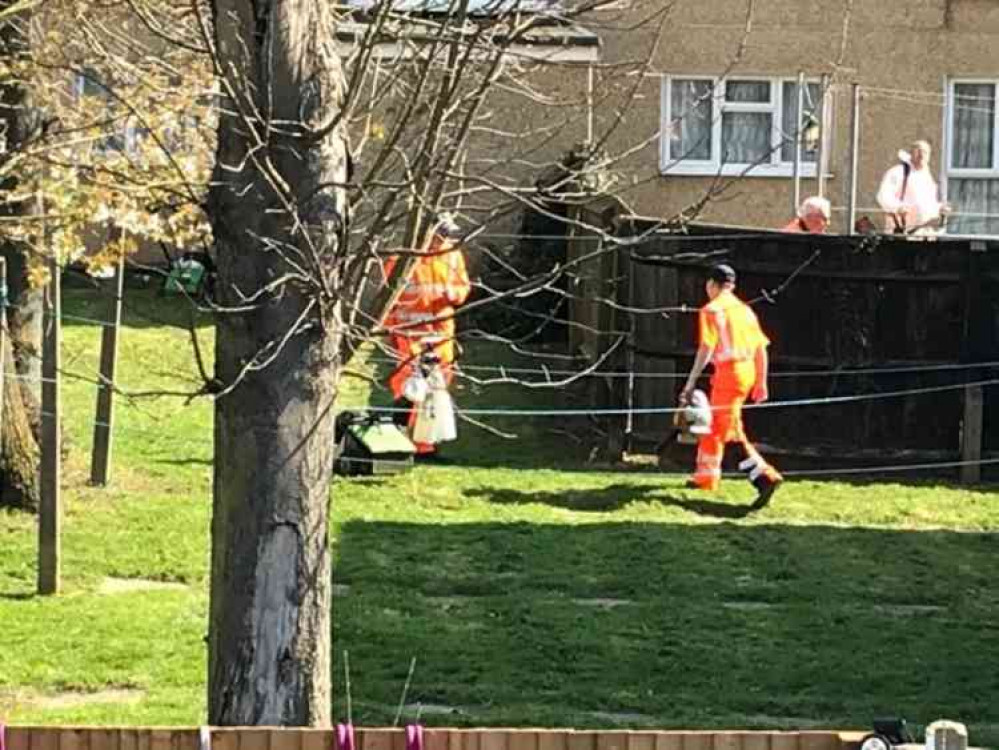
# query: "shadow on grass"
(18, 596)
(186, 461)
(610, 498)
(696, 626)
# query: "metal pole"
(50, 510)
(589, 103)
(823, 156)
(100, 459)
(854, 157)
(800, 111)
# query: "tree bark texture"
(278, 208)
(19, 123)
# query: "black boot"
(765, 487)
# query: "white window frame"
(961, 172)
(669, 165)
(946, 171)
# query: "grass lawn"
(532, 589)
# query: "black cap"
(722, 274)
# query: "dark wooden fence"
(831, 305)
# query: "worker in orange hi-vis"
(421, 321)
(731, 340)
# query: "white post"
(799, 112)
(822, 158)
(589, 103)
(854, 157)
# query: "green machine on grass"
(368, 445)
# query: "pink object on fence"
(344, 737)
(414, 737)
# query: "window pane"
(746, 137)
(747, 91)
(973, 125)
(811, 108)
(691, 108)
(976, 206)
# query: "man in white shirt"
(909, 195)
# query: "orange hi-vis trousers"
(730, 387)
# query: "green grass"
(533, 589)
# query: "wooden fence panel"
(756, 741)
(669, 741)
(18, 739)
(697, 741)
(45, 739)
(553, 741)
(252, 738)
(612, 741)
(323, 739)
(582, 741)
(641, 740)
(784, 741)
(435, 740)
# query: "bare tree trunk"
(277, 206)
(19, 123)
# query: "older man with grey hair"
(813, 216)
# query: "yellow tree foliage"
(129, 138)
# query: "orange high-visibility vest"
(437, 284)
(422, 316)
(730, 327)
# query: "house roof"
(549, 38)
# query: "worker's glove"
(685, 395)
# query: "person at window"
(813, 217)
(909, 195)
(730, 338)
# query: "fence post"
(974, 348)
(971, 434)
(100, 459)
(50, 510)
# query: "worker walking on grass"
(421, 322)
(731, 340)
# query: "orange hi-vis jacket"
(423, 314)
(730, 327)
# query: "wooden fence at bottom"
(92, 738)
